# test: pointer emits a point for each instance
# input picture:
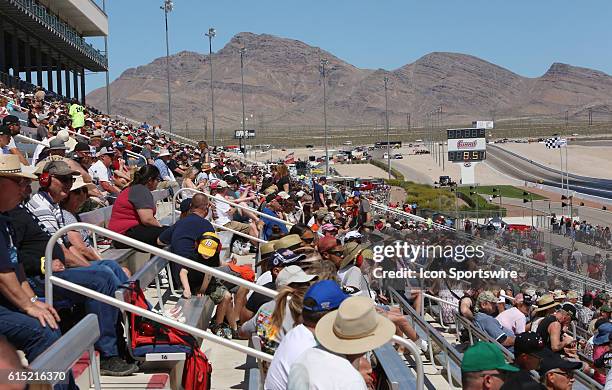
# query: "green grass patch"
(506, 191)
(426, 196)
(383, 165)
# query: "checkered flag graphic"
(555, 142)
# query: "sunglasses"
(567, 374)
(336, 253)
(308, 240)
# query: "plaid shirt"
(584, 315)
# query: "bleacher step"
(137, 381)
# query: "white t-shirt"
(296, 341)
(38, 150)
(99, 172)
(351, 276)
(316, 369)
(223, 209)
(263, 279)
(11, 144)
(512, 319)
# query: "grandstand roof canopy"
(85, 16)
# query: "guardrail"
(51, 280)
(63, 353)
(577, 278)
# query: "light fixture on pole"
(244, 135)
(387, 129)
(168, 6)
(211, 34)
(323, 63)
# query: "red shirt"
(124, 215)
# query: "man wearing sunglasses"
(557, 373)
(484, 367)
(529, 352)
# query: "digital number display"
(465, 133)
(473, 155)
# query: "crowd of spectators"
(331, 310)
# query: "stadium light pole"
(211, 34)
(324, 74)
(108, 106)
(387, 129)
(244, 137)
(168, 6)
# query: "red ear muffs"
(44, 180)
(359, 260)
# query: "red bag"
(143, 331)
(245, 271)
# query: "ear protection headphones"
(44, 180)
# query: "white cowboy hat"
(79, 183)
(11, 167)
(354, 328)
(163, 153)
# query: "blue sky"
(524, 36)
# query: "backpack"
(145, 332)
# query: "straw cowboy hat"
(546, 302)
(350, 253)
(354, 328)
(11, 167)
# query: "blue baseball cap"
(604, 333)
(325, 295)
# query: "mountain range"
(283, 88)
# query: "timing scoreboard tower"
(467, 147)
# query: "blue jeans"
(114, 267)
(99, 278)
(27, 334)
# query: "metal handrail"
(247, 208)
(433, 298)
(50, 280)
(29, 140)
(146, 248)
(517, 258)
(158, 318)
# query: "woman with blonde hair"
(189, 182)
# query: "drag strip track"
(523, 169)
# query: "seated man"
(29, 324)
(101, 174)
(225, 212)
(30, 239)
(484, 320)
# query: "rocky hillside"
(283, 88)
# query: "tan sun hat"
(11, 167)
(290, 241)
(350, 252)
(354, 328)
(547, 301)
(79, 183)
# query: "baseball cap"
(97, 134)
(185, 205)
(299, 194)
(118, 145)
(293, 274)
(82, 147)
(10, 119)
(209, 244)
(484, 356)
(284, 257)
(606, 309)
(487, 296)
(570, 309)
(105, 151)
(356, 194)
(524, 298)
(59, 168)
(4, 130)
(57, 144)
(553, 361)
(603, 334)
(529, 343)
(353, 234)
(324, 295)
(219, 184)
(328, 227)
(327, 243)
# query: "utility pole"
(323, 63)
(408, 121)
(211, 34)
(387, 128)
(244, 134)
(167, 7)
(108, 104)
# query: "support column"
(15, 57)
(83, 86)
(49, 62)
(39, 71)
(67, 76)
(3, 66)
(75, 82)
(58, 73)
(27, 57)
